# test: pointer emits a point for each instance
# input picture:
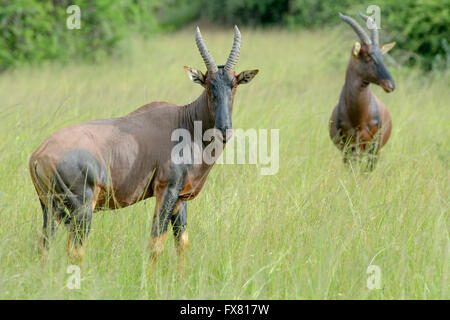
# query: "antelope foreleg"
(372, 154)
(166, 203)
(179, 223)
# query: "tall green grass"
(308, 232)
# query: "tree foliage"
(33, 30)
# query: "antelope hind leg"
(51, 218)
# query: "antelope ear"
(246, 76)
(388, 46)
(195, 75)
(356, 49)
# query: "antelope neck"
(356, 94)
(198, 110)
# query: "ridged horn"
(373, 28)
(235, 50)
(207, 57)
(358, 29)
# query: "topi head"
(220, 82)
(368, 55)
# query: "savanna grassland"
(308, 232)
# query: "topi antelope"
(114, 163)
(360, 121)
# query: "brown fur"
(130, 160)
(357, 108)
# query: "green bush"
(245, 12)
(32, 31)
(174, 14)
(420, 27)
(313, 13)
(25, 32)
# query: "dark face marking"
(221, 93)
(375, 69)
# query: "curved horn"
(207, 57)
(358, 29)
(235, 50)
(373, 28)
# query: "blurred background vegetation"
(33, 31)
